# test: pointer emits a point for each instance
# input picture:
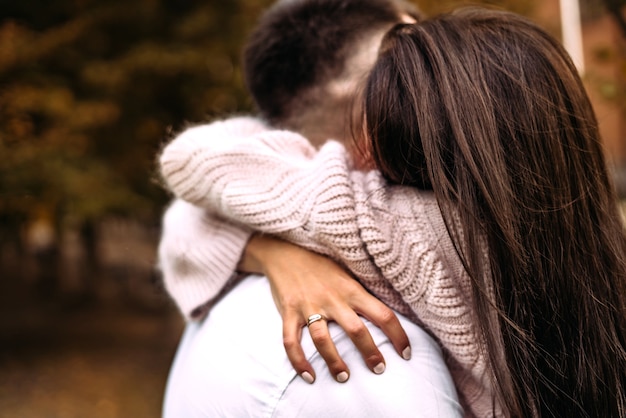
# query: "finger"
(292, 336)
(326, 347)
(385, 319)
(359, 334)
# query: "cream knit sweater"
(393, 238)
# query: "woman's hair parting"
(488, 111)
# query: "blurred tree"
(90, 89)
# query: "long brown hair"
(487, 110)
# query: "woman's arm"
(305, 283)
(274, 182)
(198, 253)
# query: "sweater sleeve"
(275, 182)
(198, 254)
(199, 251)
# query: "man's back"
(233, 364)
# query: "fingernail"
(307, 377)
(406, 353)
(380, 367)
(342, 377)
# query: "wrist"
(253, 255)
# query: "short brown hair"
(300, 44)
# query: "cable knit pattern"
(392, 238)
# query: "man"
(304, 63)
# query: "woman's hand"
(305, 283)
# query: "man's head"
(307, 58)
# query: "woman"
(506, 137)
(517, 264)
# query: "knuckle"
(290, 343)
(320, 336)
(289, 304)
(357, 330)
(299, 365)
(373, 359)
(336, 365)
(387, 316)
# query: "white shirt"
(233, 364)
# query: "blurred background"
(89, 92)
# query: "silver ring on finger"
(314, 318)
